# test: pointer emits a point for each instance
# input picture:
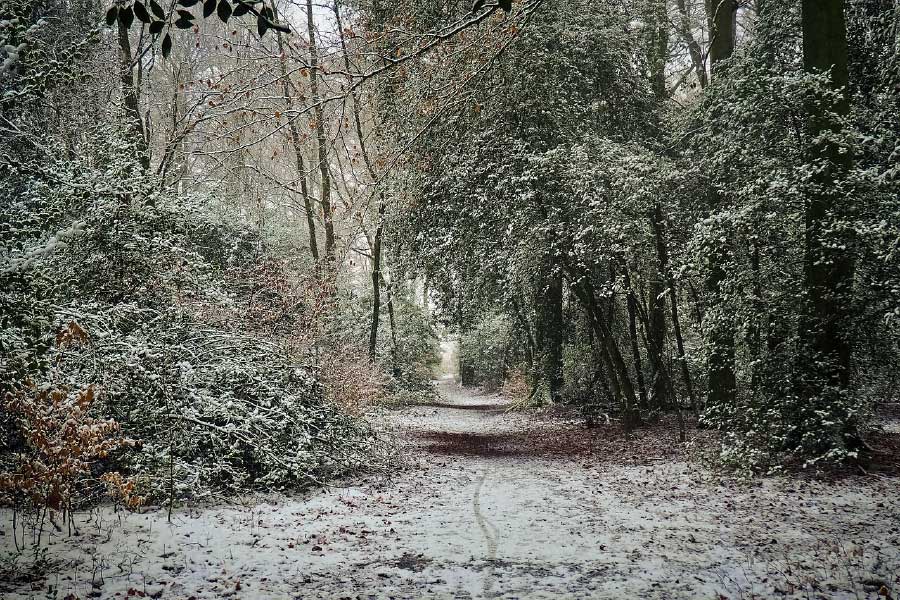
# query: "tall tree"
(375, 242)
(550, 328)
(685, 28)
(722, 15)
(657, 58)
(131, 91)
(297, 143)
(321, 139)
(828, 264)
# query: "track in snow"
(493, 508)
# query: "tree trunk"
(618, 369)
(130, 93)
(659, 47)
(720, 332)
(663, 261)
(679, 343)
(550, 330)
(720, 328)
(379, 227)
(376, 283)
(632, 334)
(298, 149)
(321, 141)
(694, 49)
(825, 345)
(722, 18)
(395, 349)
(531, 345)
(754, 331)
(654, 349)
(604, 363)
(656, 328)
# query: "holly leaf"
(240, 9)
(140, 11)
(166, 46)
(111, 14)
(209, 7)
(262, 25)
(126, 16)
(157, 10)
(506, 5)
(156, 27)
(224, 10)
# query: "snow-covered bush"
(485, 350)
(217, 392)
(213, 410)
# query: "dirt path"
(502, 505)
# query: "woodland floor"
(496, 504)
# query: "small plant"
(60, 445)
(517, 389)
(352, 381)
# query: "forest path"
(498, 504)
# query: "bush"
(181, 335)
(213, 410)
(483, 353)
(60, 445)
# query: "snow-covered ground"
(493, 504)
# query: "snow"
(473, 512)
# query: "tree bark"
(130, 94)
(631, 300)
(656, 327)
(663, 261)
(825, 345)
(659, 47)
(395, 349)
(531, 345)
(720, 328)
(550, 328)
(694, 49)
(754, 331)
(379, 226)
(722, 18)
(376, 284)
(321, 141)
(618, 369)
(298, 149)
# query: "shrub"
(62, 445)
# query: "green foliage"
(408, 349)
(485, 352)
(418, 349)
(562, 156)
(211, 389)
(748, 141)
(158, 20)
